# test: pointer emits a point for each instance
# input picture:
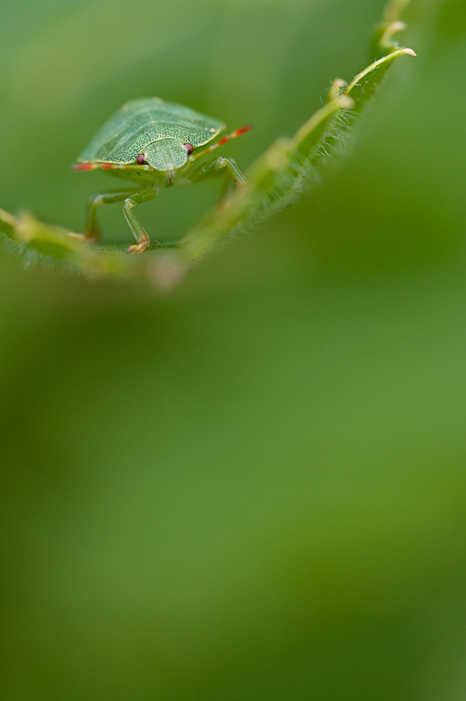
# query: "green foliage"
(289, 165)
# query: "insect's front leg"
(219, 167)
(92, 232)
(134, 224)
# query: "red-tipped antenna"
(84, 166)
(223, 140)
(108, 166)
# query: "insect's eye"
(189, 148)
(141, 159)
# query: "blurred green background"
(253, 488)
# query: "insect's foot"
(137, 247)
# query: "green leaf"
(280, 174)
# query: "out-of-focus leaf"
(279, 175)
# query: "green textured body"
(154, 128)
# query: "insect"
(155, 144)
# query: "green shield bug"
(155, 144)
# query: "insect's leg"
(134, 224)
(92, 232)
(218, 167)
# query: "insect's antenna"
(107, 166)
(223, 140)
(91, 166)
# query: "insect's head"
(166, 155)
